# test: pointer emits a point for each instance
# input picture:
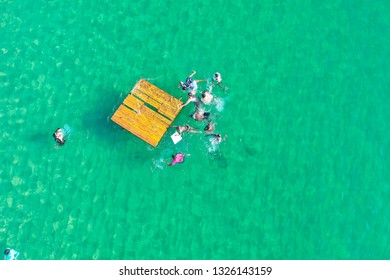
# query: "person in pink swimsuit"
(178, 158)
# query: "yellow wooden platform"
(147, 112)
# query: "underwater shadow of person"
(219, 159)
(98, 120)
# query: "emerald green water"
(303, 174)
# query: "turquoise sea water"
(303, 173)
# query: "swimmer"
(217, 138)
(59, 136)
(10, 254)
(190, 85)
(199, 116)
(178, 158)
(218, 79)
(207, 97)
(191, 98)
(209, 127)
(186, 128)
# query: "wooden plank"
(130, 117)
(149, 126)
(134, 130)
(148, 91)
(153, 115)
(169, 112)
(140, 122)
(157, 94)
(137, 125)
(146, 98)
(133, 103)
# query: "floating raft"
(147, 112)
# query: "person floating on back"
(59, 136)
(186, 128)
(190, 85)
(10, 254)
(178, 158)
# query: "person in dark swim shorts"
(209, 127)
(200, 115)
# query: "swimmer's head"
(7, 251)
(217, 77)
(183, 86)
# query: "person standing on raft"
(186, 128)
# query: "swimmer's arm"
(192, 74)
(194, 131)
(185, 104)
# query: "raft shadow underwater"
(98, 120)
(218, 159)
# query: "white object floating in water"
(176, 138)
(220, 104)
